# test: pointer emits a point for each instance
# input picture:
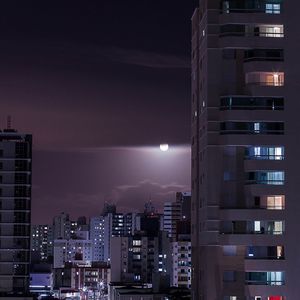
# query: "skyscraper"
(97, 238)
(41, 242)
(15, 208)
(245, 166)
(63, 227)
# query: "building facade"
(244, 158)
(135, 258)
(42, 241)
(97, 238)
(63, 227)
(172, 215)
(15, 209)
(71, 251)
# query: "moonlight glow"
(164, 147)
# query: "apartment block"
(15, 211)
(245, 166)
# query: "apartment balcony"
(255, 65)
(248, 114)
(249, 238)
(244, 16)
(236, 40)
(267, 263)
(264, 164)
(264, 189)
(264, 89)
(214, 138)
(266, 290)
(251, 214)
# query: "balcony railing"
(267, 182)
(254, 132)
(262, 207)
(270, 7)
(264, 157)
(261, 232)
(252, 34)
(265, 257)
(271, 282)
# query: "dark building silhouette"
(15, 208)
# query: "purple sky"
(99, 84)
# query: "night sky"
(100, 84)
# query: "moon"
(164, 147)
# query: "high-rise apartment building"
(97, 238)
(245, 166)
(135, 258)
(63, 227)
(15, 208)
(176, 211)
(172, 215)
(42, 241)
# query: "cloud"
(135, 196)
(67, 53)
(146, 59)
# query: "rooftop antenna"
(8, 122)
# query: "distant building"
(41, 283)
(182, 256)
(91, 278)
(42, 241)
(135, 258)
(117, 224)
(172, 215)
(97, 238)
(176, 211)
(63, 227)
(71, 251)
(185, 199)
(15, 193)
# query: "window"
(265, 278)
(264, 153)
(273, 31)
(229, 250)
(275, 278)
(231, 127)
(264, 55)
(257, 226)
(265, 177)
(265, 78)
(273, 8)
(251, 103)
(275, 202)
(252, 30)
(229, 276)
(256, 127)
(257, 6)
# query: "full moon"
(164, 147)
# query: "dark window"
(264, 54)
(252, 127)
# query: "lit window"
(257, 227)
(275, 202)
(265, 78)
(256, 127)
(272, 8)
(274, 31)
